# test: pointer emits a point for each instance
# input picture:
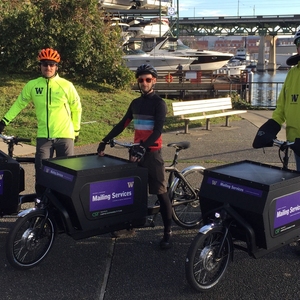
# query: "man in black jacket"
(148, 113)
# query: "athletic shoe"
(166, 242)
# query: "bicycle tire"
(204, 268)
(26, 246)
(186, 210)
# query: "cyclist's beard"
(150, 90)
(50, 76)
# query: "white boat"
(137, 57)
(201, 60)
(241, 53)
(140, 28)
(232, 68)
(135, 4)
(155, 4)
(115, 4)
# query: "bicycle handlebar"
(14, 139)
(113, 142)
(283, 145)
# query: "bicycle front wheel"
(30, 240)
(207, 259)
(185, 200)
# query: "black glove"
(296, 146)
(76, 139)
(266, 134)
(137, 151)
(2, 126)
(101, 147)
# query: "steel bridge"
(267, 27)
(243, 25)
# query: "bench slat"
(223, 114)
(201, 102)
(204, 104)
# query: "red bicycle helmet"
(49, 54)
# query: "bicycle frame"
(227, 217)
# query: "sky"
(213, 8)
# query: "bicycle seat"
(180, 145)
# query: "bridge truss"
(243, 25)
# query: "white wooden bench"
(208, 108)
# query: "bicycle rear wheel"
(30, 240)
(185, 202)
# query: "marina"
(213, 65)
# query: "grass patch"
(103, 107)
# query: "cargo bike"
(245, 205)
(12, 177)
(88, 195)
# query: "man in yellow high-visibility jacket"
(287, 109)
(57, 106)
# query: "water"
(271, 76)
(265, 87)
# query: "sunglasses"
(141, 80)
(45, 64)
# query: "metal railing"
(264, 94)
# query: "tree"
(89, 47)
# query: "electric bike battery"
(98, 194)
(266, 197)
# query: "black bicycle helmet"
(145, 69)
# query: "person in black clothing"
(148, 113)
(180, 72)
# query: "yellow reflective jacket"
(57, 107)
(288, 104)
